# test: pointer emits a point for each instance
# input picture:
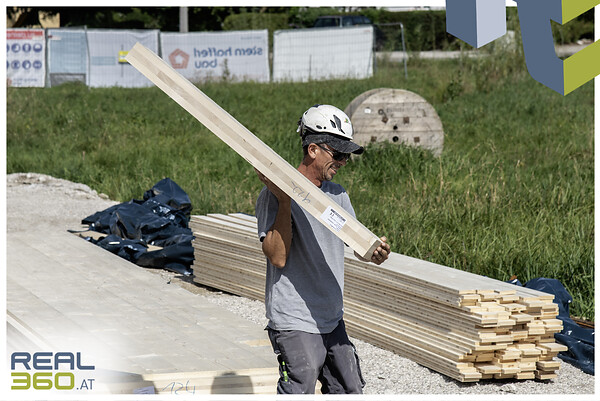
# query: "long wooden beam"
(256, 152)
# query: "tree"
(163, 18)
(26, 17)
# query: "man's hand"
(380, 254)
(275, 190)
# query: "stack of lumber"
(463, 325)
(64, 294)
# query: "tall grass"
(512, 193)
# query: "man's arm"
(276, 244)
(380, 254)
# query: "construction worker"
(305, 266)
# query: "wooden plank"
(251, 148)
(26, 332)
(545, 376)
(553, 347)
(241, 381)
(548, 365)
(488, 368)
(235, 220)
(525, 375)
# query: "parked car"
(341, 21)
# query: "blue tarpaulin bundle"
(580, 340)
(160, 219)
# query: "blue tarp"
(160, 219)
(580, 340)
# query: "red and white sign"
(25, 57)
(24, 34)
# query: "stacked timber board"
(463, 325)
(65, 294)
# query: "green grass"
(512, 193)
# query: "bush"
(581, 27)
(304, 17)
(426, 30)
(247, 21)
(423, 30)
(252, 21)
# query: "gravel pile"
(36, 199)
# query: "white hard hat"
(323, 123)
(323, 118)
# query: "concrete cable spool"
(396, 116)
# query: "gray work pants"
(305, 358)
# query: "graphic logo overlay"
(479, 22)
(49, 370)
(179, 59)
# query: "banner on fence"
(236, 55)
(25, 57)
(67, 56)
(106, 52)
(323, 53)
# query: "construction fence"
(96, 57)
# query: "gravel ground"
(36, 200)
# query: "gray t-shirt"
(307, 293)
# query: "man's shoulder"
(333, 188)
(264, 194)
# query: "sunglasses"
(337, 156)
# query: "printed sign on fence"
(67, 56)
(25, 57)
(236, 55)
(323, 53)
(105, 49)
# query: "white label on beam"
(333, 219)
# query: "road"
(398, 56)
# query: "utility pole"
(183, 19)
